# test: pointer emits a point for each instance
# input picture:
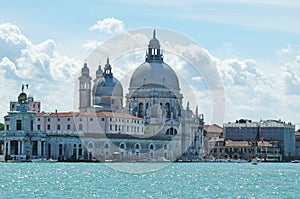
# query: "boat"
(295, 161)
(254, 161)
(43, 160)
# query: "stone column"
(82, 151)
(39, 148)
(19, 147)
(5, 147)
(44, 148)
(63, 149)
(77, 150)
(23, 147)
(8, 146)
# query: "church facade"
(152, 125)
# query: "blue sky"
(266, 32)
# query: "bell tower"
(84, 89)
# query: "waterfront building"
(152, 125)
(211, 133)
(268, 130)
(297, 135)
(245, 150)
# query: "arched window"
(90, 145)
(151, 147)
(171, 131)
(167, 109)
(137, 147)
(141, 109)
(122, 146)
(79, 149)
(165, 147)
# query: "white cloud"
(109, 25)
(52, 77)
(91, 45)
(250, 93)
(291, 75)
(49, 74)
(287, 51)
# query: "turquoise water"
(177, 180)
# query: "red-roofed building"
(246, 150)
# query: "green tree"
(1, 127)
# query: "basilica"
(148, 123)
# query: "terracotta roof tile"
(89, 114)
(58, 114)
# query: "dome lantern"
(85, 70)
(154, 54)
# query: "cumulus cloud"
(291, 75)
(287, 51)
(109, 25)
(250, 93)
(40, 65)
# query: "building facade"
(244, 150)
(268, 130)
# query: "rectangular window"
(80, 119)
(31, 125)
(19, 125)
(91, 119)
(69, 119)
(39, 119)
(116, 127)
(7, 127)
(58, 127)
(38, 127)
(58, 119)
(48, 127)
(102, 119)
(49, 120)
(110, 127)
(68, 127)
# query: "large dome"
(154, 73)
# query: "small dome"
(108, 87)
(99, 72)
(154, 73)
(22, 98)
(85, 70)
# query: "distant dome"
(22, 98)
(154, 73)
(99, 72)
(85, 70)
(108, 87)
